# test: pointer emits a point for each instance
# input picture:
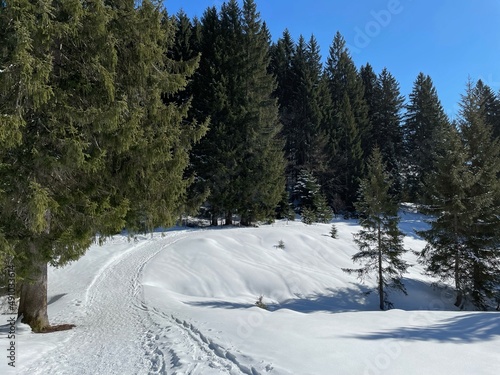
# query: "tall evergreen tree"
(282, 54)
(380, 241)
(424, 121)
(483, 162)
(262, 176)
(463, 241)
(309, 105)
(348, 125)
(241, 158)
(386, 130)
(445, 254)
(370, 82)
(210, 158)
(98, 149)
(490, 107)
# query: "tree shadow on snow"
(468, 328)
(355, 298)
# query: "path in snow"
(117, 334)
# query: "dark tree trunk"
(215, 220)
(229, 218)
(33, 303)
(245, 221)
(380, 274)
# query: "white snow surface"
(183, 302)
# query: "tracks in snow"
(117, 333)
(188, 351)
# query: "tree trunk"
(33, 303)
(229, 218)
(380, 275)
(458, 283)
(215, 220)
(460, 298)
(245, 221)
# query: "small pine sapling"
(333, 231)
(260, 303)
(280, 245)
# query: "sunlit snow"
(183, 302)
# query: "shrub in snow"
(280, 245)
(333, 231)
(260, 303)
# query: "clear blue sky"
(450, 40)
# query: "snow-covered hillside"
(183, 302)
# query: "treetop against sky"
(450, 40)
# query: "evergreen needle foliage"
(334, 231)
(87, 144)
(464, 238)
(380, 241)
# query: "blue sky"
(450, 40)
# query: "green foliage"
(424, 121)
(260, 303)
(310, 201)
(308, 216)
(348, 126)
(87, 144)
(241, 160)
(285, 208)
(386, 130)
(280, 245)
(463, 239)
(334, 231)
(380, 241)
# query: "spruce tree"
(309, 101)
(490, 107)
(211, 157)
(380, 241)
(423, 122)
(386, 130)
(241, 159)
(445, 254)
(463, 239)
(262, 177)
(370, 82)
(348, 125)
(98, 150)
(483, 163)
(310, 201)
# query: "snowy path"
(116, 332)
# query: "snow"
(183, 302)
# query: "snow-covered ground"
(183, 302)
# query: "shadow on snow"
(468, 328)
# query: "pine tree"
(262, 173)
(483, 162)
(386, 130)
(98, 149)
(423, 122)
(380, 241)
(305, 138)
(334, 231)
(444, 256)
(490, 107)
(310, 201)
(241, 158)
(370, 82)
(347, 127)
(211, 158)
(463, 239)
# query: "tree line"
(115, 114)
